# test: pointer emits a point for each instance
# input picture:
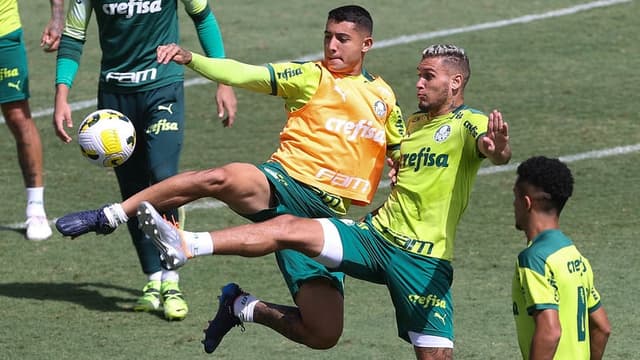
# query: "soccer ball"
(106, 138)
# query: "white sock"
(35, 202)
(170, 275)
(156, 276)
(243, 307)
(199, 243)
(115, 214)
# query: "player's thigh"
(17, 116)
(321, 307)
(242, 186)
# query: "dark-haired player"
(556, 306)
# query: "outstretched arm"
(495, 143)
(225, 71)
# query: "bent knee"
(324, 340)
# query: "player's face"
(434, 86)
(344, 47)
(519, 208)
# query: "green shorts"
(297, 199)
(420, 286)
(14, 74)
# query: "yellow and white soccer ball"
(106, 138)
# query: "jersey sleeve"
(593, 298)
(295, 82)
(234, 73)
(538, 289)
(475, 126)
(206, 24)
(395, 130)
(71, 43)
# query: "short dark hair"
(549, 175)
(354, 14)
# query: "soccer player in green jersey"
(556, 306)
(14, 101)
(406, 244)
(151, 95)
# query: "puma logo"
(437, 315)
(15, 85)
(166, 108)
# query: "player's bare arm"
(62, 113)
(599, 330)
(227, 104)
(547, 334)
(495, 144)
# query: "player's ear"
(456, 82)
(528, 202)
(367, 43)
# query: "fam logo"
(380, 108)
(442, 134)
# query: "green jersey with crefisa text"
(440, 161)
(129, 33)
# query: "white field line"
(401, 40)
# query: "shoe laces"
(173, 222)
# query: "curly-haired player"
(556, 307)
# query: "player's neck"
(447, 108)
(540, 224)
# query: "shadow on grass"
(18, 229)
(84, 294)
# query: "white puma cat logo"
(15, 85)
(439, 316)
(166, 108)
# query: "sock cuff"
(243, 307)
(115, 214)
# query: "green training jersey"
(129, 33)
(439, 163)
(552, 274)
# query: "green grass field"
(565, 81)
